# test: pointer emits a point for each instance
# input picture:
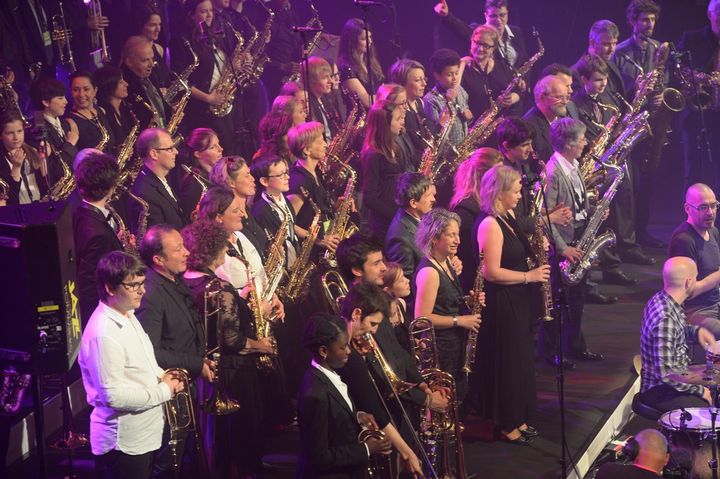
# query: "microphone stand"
(703, 137)
(366, 26)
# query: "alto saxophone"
(439, 431)
(475, 309)
(180, 83)
(155, 121)
(142, 216)
(263, 325)
(314, 21)
(590, 173)
(298, 284)
(9, 100)
(257, 51)
(429, 164)
(64, 187)
(127, 148)
(178, 113)
(104, 135)
(340, 226)
(227, 84)
(219, 403)
(127, 239)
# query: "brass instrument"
(104, 135)
(276, 255)
(142, 216)
(14, 387)
(101, 55)
(475, 309)
(127, 239)
(315, 21)
(227, 84)
(179, 413)
(180, 84)
(219, 403)
(128, 145)
(340, 226)
(486, 123)
(537, 242)
(9, 100)
(335, 289)
(64, 187)
(262, 325)
(429, 165)
(614, 158)
(4, 190)
(156, 121)
(61, 35)
(298, 283)
(256, 48)
(380, 466)
(592, 175)
(203, 182)
(178, 113)
(701, 89)
(438, 430)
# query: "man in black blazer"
(94, 228)
(512, 41)
(146, 100)
(156, 148)
(551, 99)
(169, 317)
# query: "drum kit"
(695, 429)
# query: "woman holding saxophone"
(229, 327)
(203, 151)
(91, 122)
(503, 386)
(439, 295)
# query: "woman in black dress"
(486, 76)
(238, 437)
(149, 25)
(91, 122)
(112, 90)
(503, 384)
(438, 292)
(352, 63)
(466, 203)
(203, 151)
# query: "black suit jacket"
(541, 133)
(587, 115)
(400, 244)
(329, 447)
(701, 44)
(464, 31)
(66, 149)
(135, 90)
(169, 317)
(615, 82)
(163, 208)
(93, 239)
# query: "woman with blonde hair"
(503, 384)
(466, 203)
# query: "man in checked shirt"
(665, 334)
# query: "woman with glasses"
(92, 123)
(352, 62)
(486, 75)
(237, 437)
(203, 150)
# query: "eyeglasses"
(284, 174)
(133, 287)
(167, 148)
(704, 208)
(484, 46)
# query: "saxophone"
(104, 135)
(429, 165)
(302, 270)
(64, 187)
(315, 21)
(14, 387)
(178, 113)
(614, 158)
(127, 239)
(219, 403)
(439, 431)
(126, 149)
(263, 325)
(180, 83)
(227, 84)
(588, 166)
(4, 190)
(486, 123)
(257, 49)
(9, 100)
(142, 216)
(340, 226)
(700, 88)
(537, 241)
(475, 308)
(275, 263)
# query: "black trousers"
(118, 465)
(664, 398)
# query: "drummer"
(664, 336)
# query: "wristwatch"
(455, 321)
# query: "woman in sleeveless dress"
(503, 385)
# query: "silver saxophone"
(613, 159)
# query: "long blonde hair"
(469, 174)
(497, 180)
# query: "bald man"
(137, 64)
(698, 238)
(664, 337)
(651, 459)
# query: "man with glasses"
(697, 238)
(158, 152)
(551, 99)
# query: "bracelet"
(455, 321)
(524, 278)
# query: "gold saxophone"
(298, 284)
(142, 216)
(179, 413)
(4, 190)
(155, 120)
(127, 148)
(227, 84)
(9, 100)
(430, 164)
(438, 430)
(341, 226)
(219, 403)
(126, 238)
(701, 89)
(14, 387)
(475, 308)
(180, 83)
(64, 187)
(276, 255)
(257, 51)
(589, 170)
(314, 21)
(178, 113)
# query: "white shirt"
(56, 123)
(234, 270)
(572, 171)
(220, 60)
(122, 382)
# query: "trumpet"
(101, 55)
(62, 36)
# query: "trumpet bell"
(673, 99)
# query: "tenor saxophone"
(127, 239)
(257, 51)
(143, 216)
(429, 163)
(475, 309)
(298, 283)
(155, 121)
(227, 84)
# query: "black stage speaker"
(39, 311)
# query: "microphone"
(298, 29)
(368, 3)
(685, 415)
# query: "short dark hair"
(261, 167)
(352, 252)
(636, 7)
(215, 201)
(82, 74)
(204, 239)
(152, 242)
(513, 130)
(555, 68)
(442, 59)
(322, 329)
(367, 297)
(496, 4)
(411, 186)
(113, 268)
(45, 89)
(9, 116)
(590, 64)
(96, 175)
(107, 79)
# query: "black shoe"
(530, 432)
(637, 258)
(646, 239)
(618, 277)
(588, 355)
(598, 298)
(567, 364)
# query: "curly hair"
(431, 226)
(636, 7)
(205, 240)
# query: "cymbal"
(697, 374)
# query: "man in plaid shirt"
(664, 337)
